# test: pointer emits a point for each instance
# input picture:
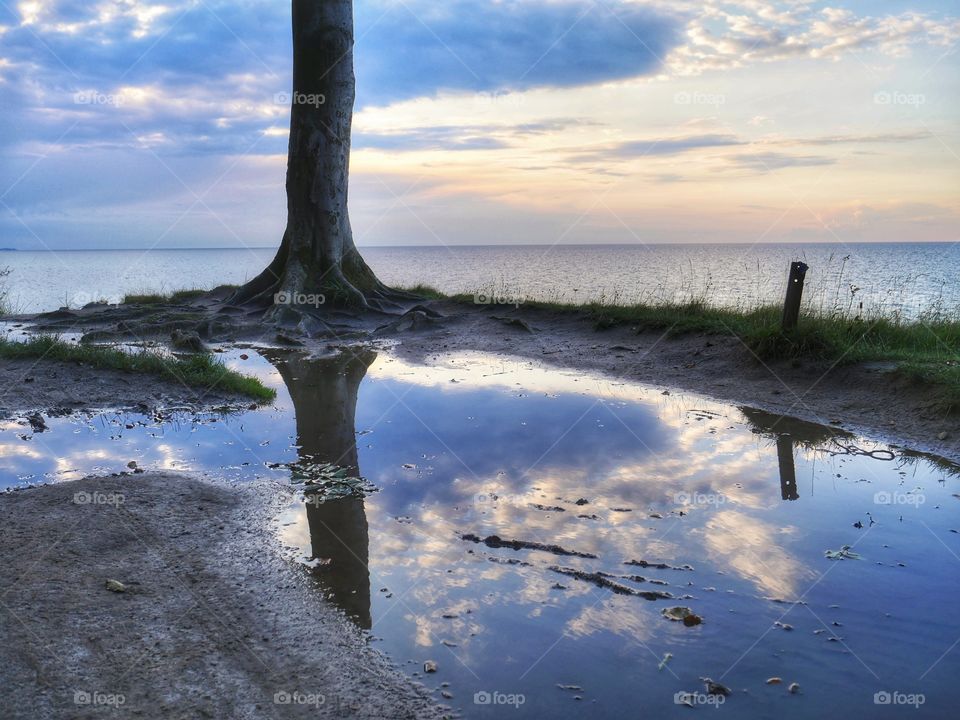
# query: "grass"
(177, 296)
(197, 370)
(925, 351)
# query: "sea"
(901, 280)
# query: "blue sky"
(163, 124)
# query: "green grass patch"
(145, 299)
(201, 371)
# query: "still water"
(665, 500)
(903, 279)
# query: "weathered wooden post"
(791, 306)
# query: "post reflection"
(789, 433)
(324, 395)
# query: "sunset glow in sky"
(164, 124)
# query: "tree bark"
(317, 255)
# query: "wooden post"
(791, 306)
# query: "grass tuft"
(196, 370)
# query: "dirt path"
(868, 399)
(214, 622)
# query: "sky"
(129, 124)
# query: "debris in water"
(682, 614)
(715, 688)
(573, 688)
(794, 688)
(495, 541)
(601, 580)
(774, 681)
(116, 586)
(844, 553)
(547, 508)
(430, 666)
(667, 657)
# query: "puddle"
(531, 527)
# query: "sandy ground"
(215, 621)
(869, 399)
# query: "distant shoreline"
(864, 243)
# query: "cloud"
(460, 137)
(656, 147)
(464, 45)
(770, 161)
(733, 34)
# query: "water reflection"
(324, 396)
(494, 446)
(790, 433)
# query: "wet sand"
(215, 621)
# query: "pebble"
(430, 666)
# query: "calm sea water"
(902, 278)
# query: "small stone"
(943, 436)
(116, 586)
(794, 688)
(430, 666)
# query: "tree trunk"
(318, 264)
